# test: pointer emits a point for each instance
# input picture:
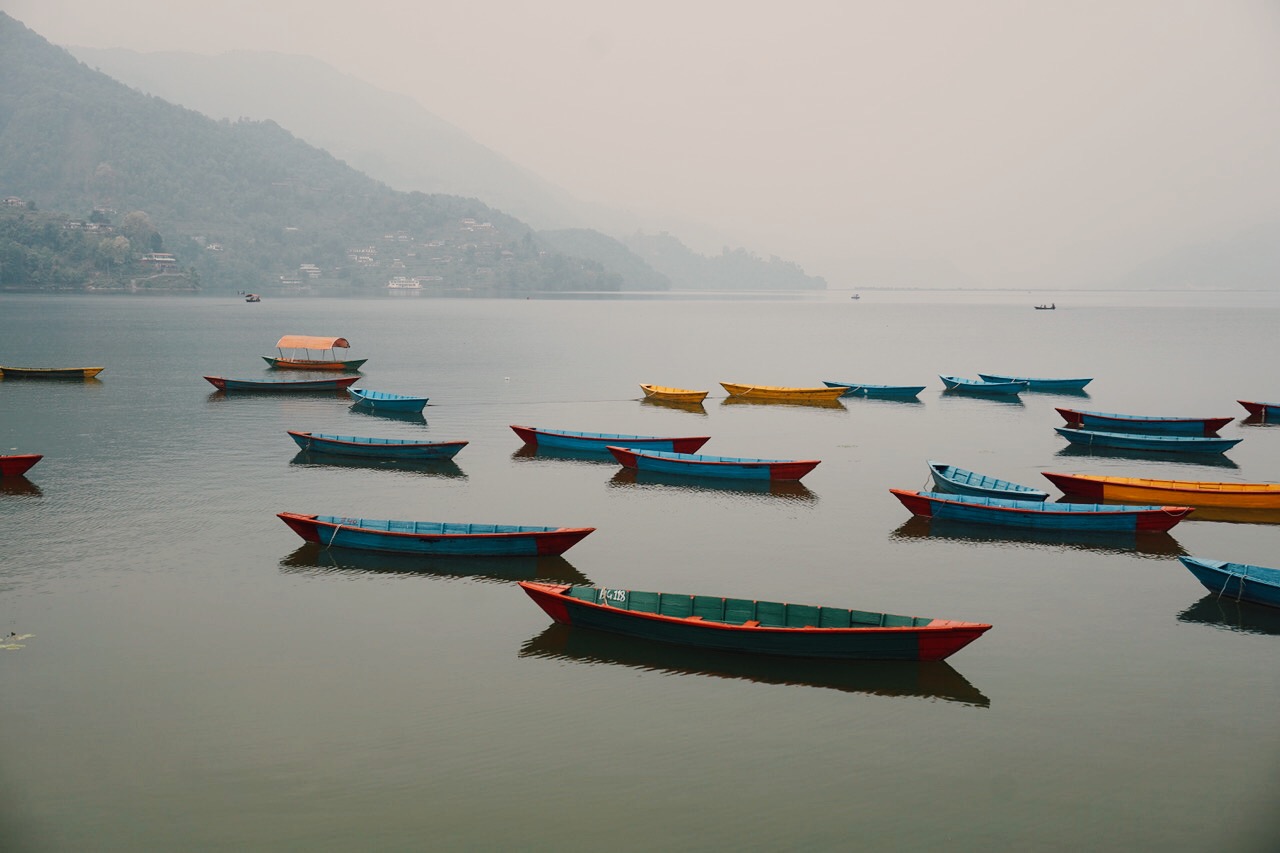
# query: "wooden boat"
(599, 441)
(303, 350)
(336, 383)
(15, 465)
(376, 448)
(50, 372)
(1189, 492)
(252, 297)
(1048, 307)
(674, 395)
(1267, 411)
(431, 538)
(781, 393)
(959, 481)
(865, 390)
(1037, 383)
(754, 627)
(1147, 441)
(700, 465)
(381, 401)
(980, 386)
(1043, 516)
(1142, 423)
(1241, 581)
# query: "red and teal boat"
(563, 439)
(375, 448)
(1041, 516)
(700, 465)
(754, 627)
(434, 537)
(1142, 423)
(1266, 411)
(337, 383)
(16, 465)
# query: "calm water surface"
(199, 679)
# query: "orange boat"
(1182, 492)
(305, 352)
(780, 393)
(675, 395)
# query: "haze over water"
(200, 679)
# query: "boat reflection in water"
(366, 411)
(1235, 515)
(1156, 545)
(836, 404)
(631, 477)
(1226, 613)
(315, 559)
(694, 408)
(1188, 460)
(559, 454)
(919, 679)
(20, 486)
(445, 468)
(1259, 421)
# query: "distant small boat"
(429, 538)
(1147, 441)
(959, 481)
(300, 354)
(1240, 581)
(1142, 423)
(754, 627)
(1267, 411)
(376, 448)
(252, 297)
(699, 465)
(781, 393)
(862, 389)
(1048, 307)
(381, 401)
(1042, 516)
(50, 372)
(981, 386)
(674, 395)
(599, 441)
(17, 464)
(1035, 383)
(1189, 492)
(337, 383)
(855, 296)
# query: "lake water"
(198, 679)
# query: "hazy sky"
(1027, 143)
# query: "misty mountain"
(735, 269)
(612, 254)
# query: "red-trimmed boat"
(1109, 421)
(429, 538)
(375, 448)
(307, 352)
(1041, 516)
(701, 465)
(562, 439)
(337, 383)
(17, 464)
(754, 627)
(1266, 411)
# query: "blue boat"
(1036, 383)
(865, 390)
(1110, 421)
(1140, 441)
(700, 465)
(336, 383)
(980, 386)
(1041, 516)
(959, 481)
(381, 401)
(598, 442)
(1266, 411)
(376, 448)
(431, 538)
(1240, 581)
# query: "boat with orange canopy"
(307, 352)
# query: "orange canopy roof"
(309, 342)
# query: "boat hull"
(50, 372)
(375, 448)
(780, 393)
(957, 481)
(758, 628)
(387, 402)
(674, 395)
(1185, 492)
(721, 467)
(973, 386)
(16, 465)
(306, 364)
(1239, 581)
(598, 442)
(435, 538)
(1039, 516)
(1266, 411)
(1139, 441)
(1039, 383)
(852, 390)
(337, 383)
(1106, 421)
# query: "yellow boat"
(675, 395)
(782, 393)
(1181, 492)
